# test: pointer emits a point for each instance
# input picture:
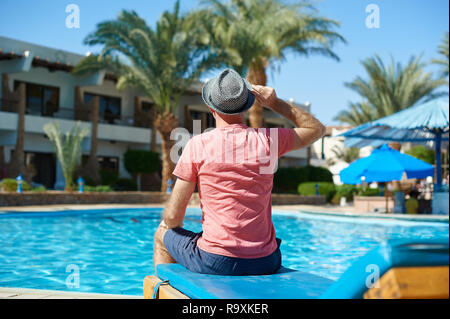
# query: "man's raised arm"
(308, 129)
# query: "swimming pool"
(110, 250)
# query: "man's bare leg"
(160, 253)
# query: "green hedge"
(369, 192)
(325, 188)
(10, 185)
(141, 161)
(108, 176)
(287, 179)
(347, 191)
(39, 189)
(423, 153)
(99, 188)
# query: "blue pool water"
(112, 249)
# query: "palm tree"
(345, 154)
(251, 36)
(443, 62)
(16, 164)
(161, 62)
(90, 171)
(389, 89)
(68, 149)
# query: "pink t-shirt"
(233, 167)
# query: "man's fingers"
(255, 93)
(256, 87)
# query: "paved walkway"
(24, 293)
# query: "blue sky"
(407, 27)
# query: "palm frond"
(389, 88)
(161, 61)
(67, 147)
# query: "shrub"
(325, 188)
(39, 189)
(287, 179)
(141, 161)
(369, 192)
(98, 188)
(10, 185)
(423, 153)
(347, 191)
(125, 184)
(108, 176)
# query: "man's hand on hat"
(265, 95)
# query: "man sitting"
(233, 167)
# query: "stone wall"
(58, 198)
(291, 199)
(367, 204)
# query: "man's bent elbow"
(171, 222)
(317, 134)
(307, 136)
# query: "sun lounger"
(396, 269)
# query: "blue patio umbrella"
(422, 123)
(384, 165)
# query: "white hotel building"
(54, 94)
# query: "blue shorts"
(182, 246)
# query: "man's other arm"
(175, 208)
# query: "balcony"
(111, 128)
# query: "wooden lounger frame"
(165, 291)
(412, 283)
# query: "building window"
(40, 100)
(109, 107)
(206, 118)
(149, 110)
(110, 163)
(147, 107)
(45, 167)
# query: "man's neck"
(228, 120)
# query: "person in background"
(412, 204)
(445, 180)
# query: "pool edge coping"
(304, 209)
(31, 293)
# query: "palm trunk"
(164, 123)
(17, 162)
(69, 186)
(91, 169)
(257, 75)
